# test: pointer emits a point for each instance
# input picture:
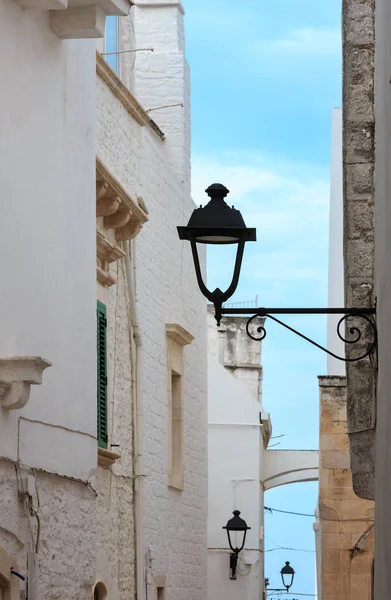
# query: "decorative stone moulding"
(128, 101)
(179, 334)
(17, 374)
(120, 214)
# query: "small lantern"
(236, 524)
(287, 576)
(217, 223)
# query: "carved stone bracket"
(17, 374)
(120, 214)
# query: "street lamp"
(217, 223)
(234, 525)
(287, 576)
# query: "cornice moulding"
(17, 374)
(127, 99)
(108, 186)
(179, 334)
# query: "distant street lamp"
(235, 525)
(287, 576)
(218, 223)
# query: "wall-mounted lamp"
(235, 525)
(218, 223)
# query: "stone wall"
(236, 351)
(358, 188)
(346, 521)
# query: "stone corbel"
(118, 219)
(129, 231)
(17, 374)
(107, 205)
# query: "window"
(100, 591)
(160, 587)
(102, 374)
(161, 595)
(177, 337)
(111, 42)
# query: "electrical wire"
(287, 512)
(283, 548)
(291, 549)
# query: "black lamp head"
(236, 523)
(217, 223)
(286, 572)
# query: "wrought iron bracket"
(362, 328)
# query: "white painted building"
(129, 515)
(241, 468)
(336, 279)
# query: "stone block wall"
(236, 351)
(346, 521)
(358, 191)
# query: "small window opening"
(100, 591)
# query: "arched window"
(100, 591)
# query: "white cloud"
(289, 206)
(308, 42)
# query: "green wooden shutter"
(102, 374)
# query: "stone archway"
(289, 466)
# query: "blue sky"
(265, 77)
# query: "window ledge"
(176, 482)
(106, 458)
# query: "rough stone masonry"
(358, 35)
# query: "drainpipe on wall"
(136, 365)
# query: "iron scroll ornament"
(353, 336)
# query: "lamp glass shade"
(236, 524)
(287, 575)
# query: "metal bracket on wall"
(362, 328)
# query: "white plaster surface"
(235, 458)
(336, 296)
(48, 300)
(383, 293)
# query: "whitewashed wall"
(236, 455)
(174, 523)
(47, 255)
(336, 296)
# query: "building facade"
(104, 466)
(346, 525)
(239, 432)
(366, 209)
(241, 468)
